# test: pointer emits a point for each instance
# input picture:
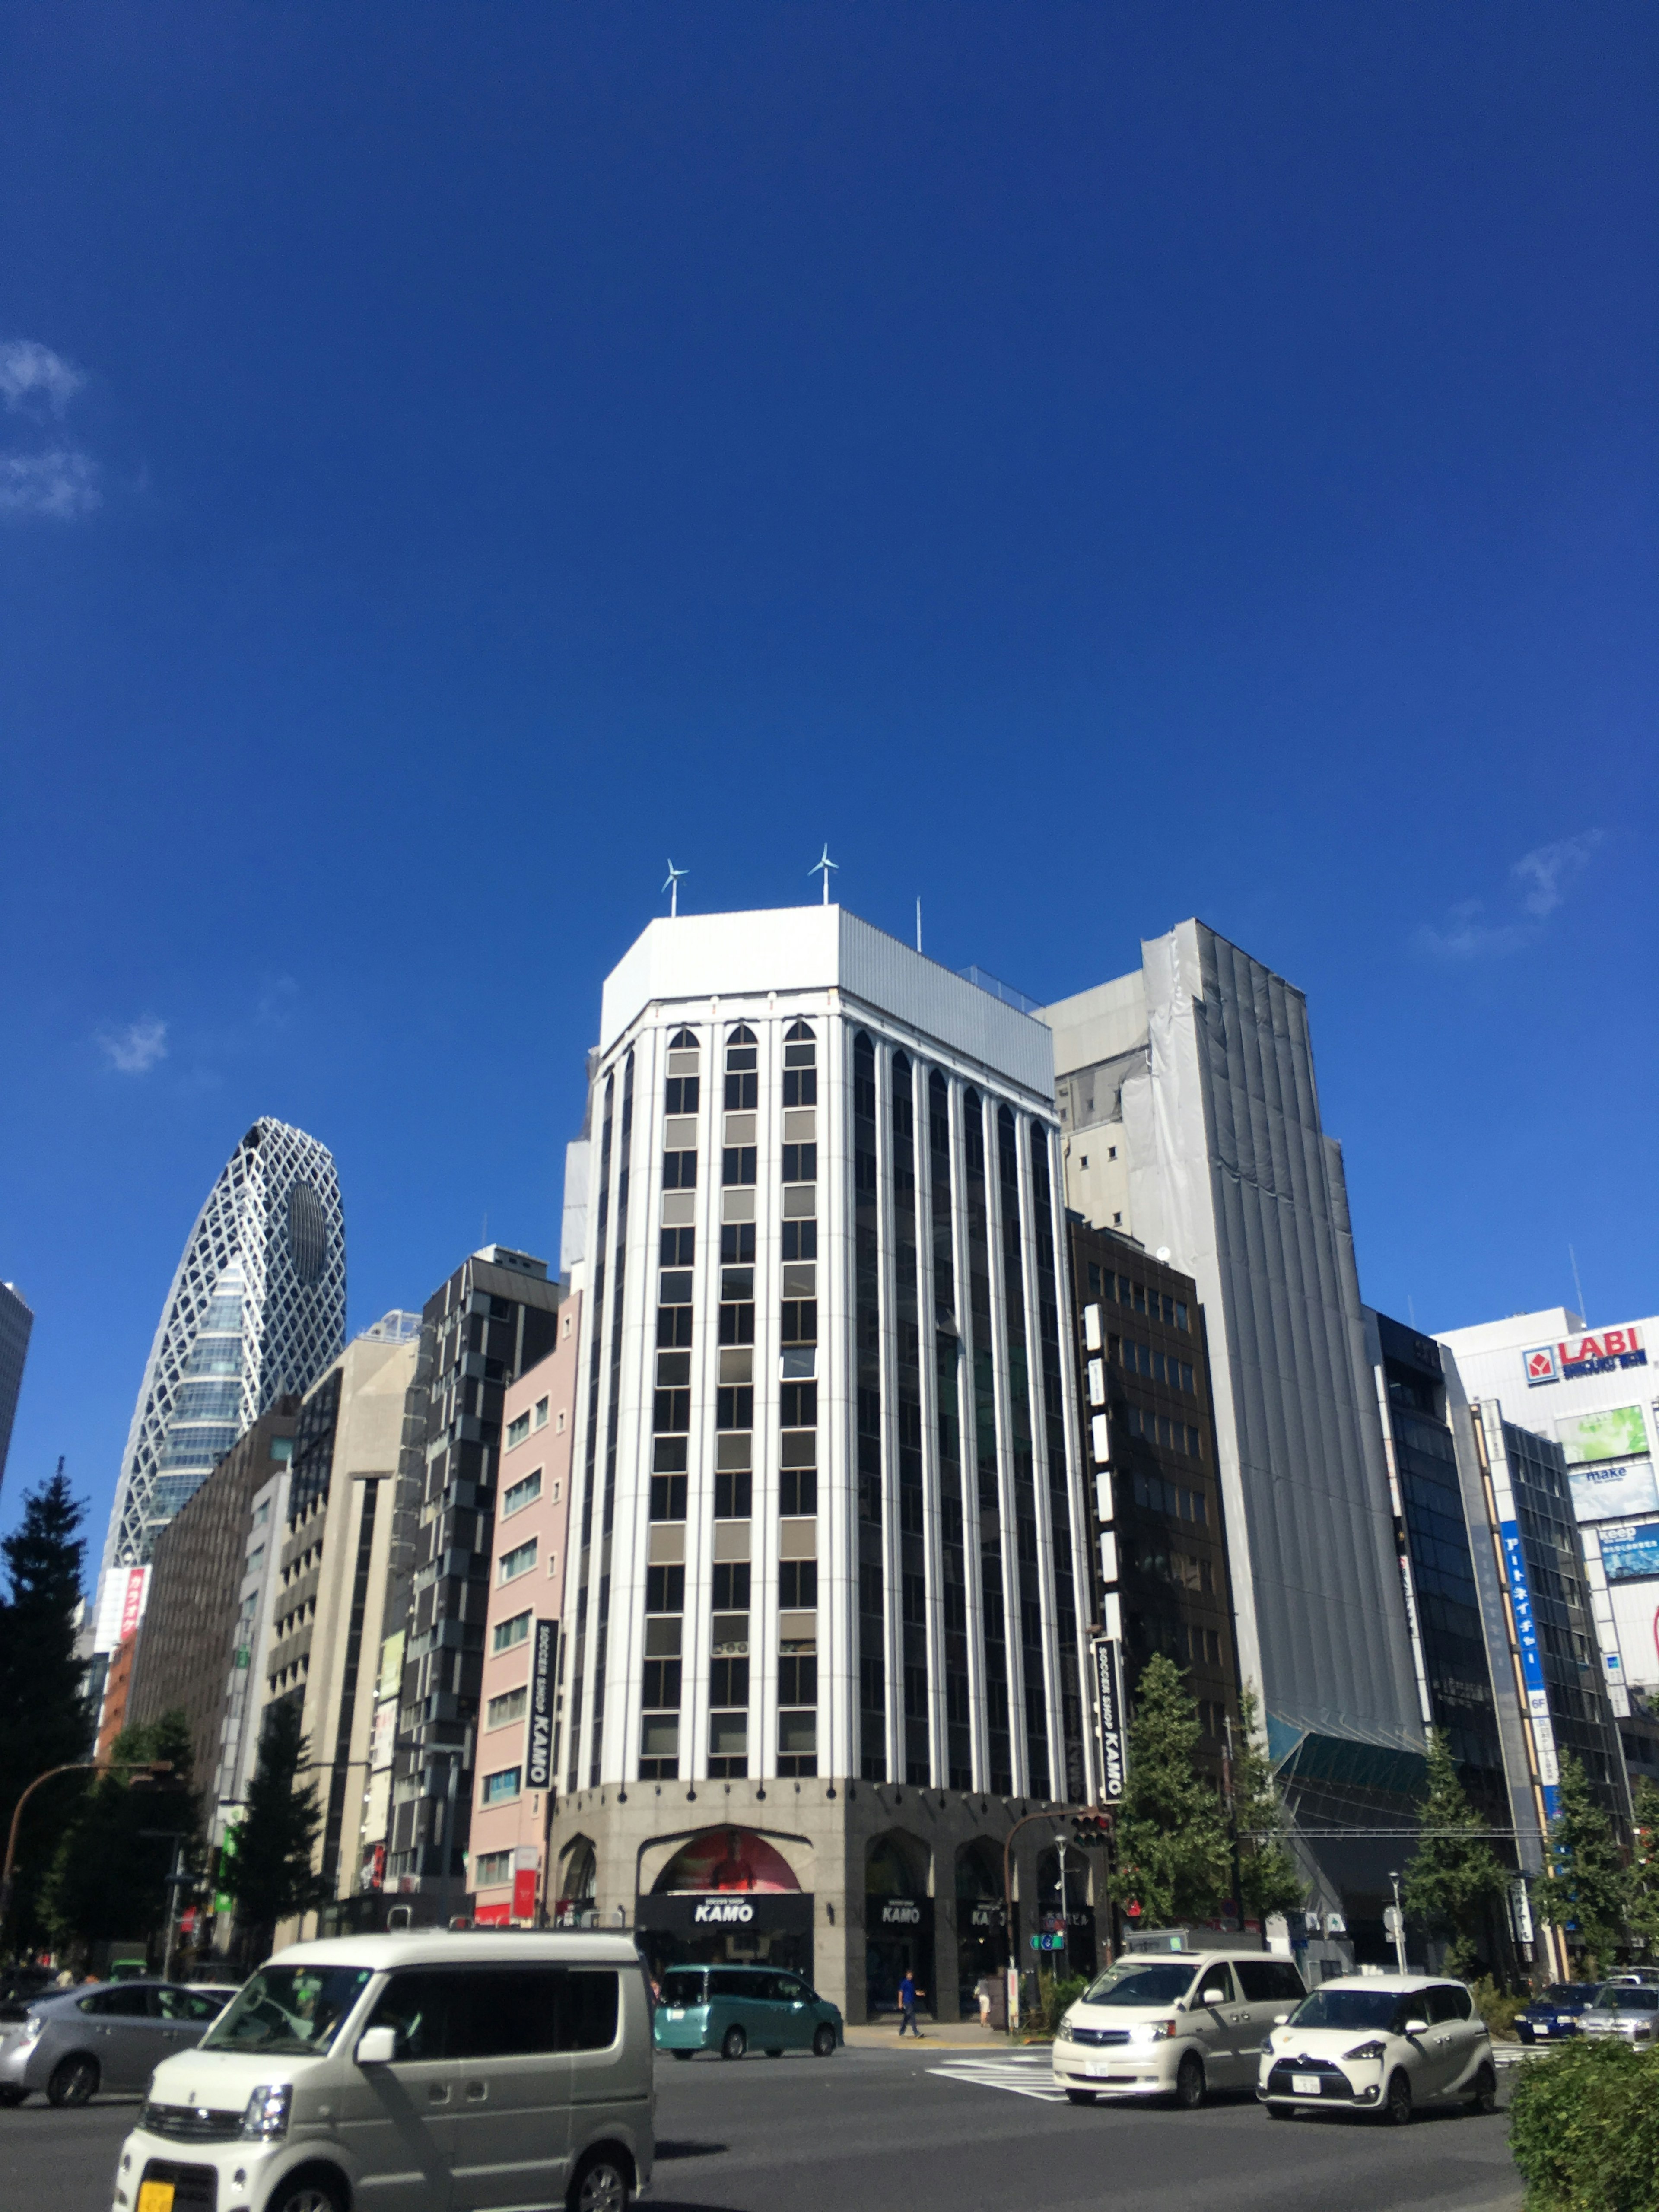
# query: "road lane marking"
(1017, 2074)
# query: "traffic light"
(1092, 1827)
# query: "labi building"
(827, 1592)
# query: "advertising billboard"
(126, 1589)
(1616, 1432)
(1616, 1490)
(1601, 1351)
(1631, 1555)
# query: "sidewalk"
(957, 2034)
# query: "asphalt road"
(882, 2131)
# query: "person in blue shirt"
(907, 1994)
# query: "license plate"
(1098, 2073)
(1541, 2031)
(155, 2196)
(1305, 2085)
(677, 2011)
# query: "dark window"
(668, 1497)
(675, 1288)
(738, 1241)
(741, 1091)
(679, 1247)
(728, 1682)
(1448, 2002)
(737, 1282)
(738, 1165)
(665, 1589)
(800, 1240)
(734, 1495)
(671, 1410)
(798, 1491)
(119, 2003)
(731, 1587)
(668, 1455)
(417, 2005)
(801, 1086)
(801, 1163)
(798, 1584)
(800, 1321)
(674, 1325)
(1094, 1278)
(680, 1095)
(798, 1405)
(660, 1683)
(738, 1324)
(797, 1680)
(734, 1407)
(589, 2009)
(679, 1170)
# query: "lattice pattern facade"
(257, 1309)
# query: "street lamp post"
(150, 1766)
(1399, 1921)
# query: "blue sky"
(1089, 465)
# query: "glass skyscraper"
(257, 1309)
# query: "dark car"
(1555, 2015)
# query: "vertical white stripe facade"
(819, 945)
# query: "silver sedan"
(110, 2035)
(1626, 2009)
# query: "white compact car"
(409, 2071)
(1178, 2024)
(1380, 2044)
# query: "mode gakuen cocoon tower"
(826, 1518)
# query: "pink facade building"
(517, 1716)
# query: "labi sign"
(1602, 1353)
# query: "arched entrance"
(898, 1921)
(578, 1879)
(1064, 1915)
(981, 1929)
(728, 1895)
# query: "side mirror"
(1417, 2027)
(377, 2046)
(1279, 2019)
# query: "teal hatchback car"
(733, 2009)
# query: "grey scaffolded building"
(15, 1323)
(256, 1311)
(1186, 1091)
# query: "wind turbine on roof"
(823, 867)
(672, 888)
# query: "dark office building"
(1437, 1560)
(495, 1318)
(189, 1630)
(1160, 1544)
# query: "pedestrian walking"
(908, 1994)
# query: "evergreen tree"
(1586, 1892)
(1171, 1857)
(269, 1878)
(1454, 1876)
(1644, 1868)
(108, 1878)
(43, 1720)
(1269, 1878)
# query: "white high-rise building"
(828, 1572)
(256, 1308)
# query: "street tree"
(1586, 1889)
(269, 1877)
(1645, 1868)
(1172, 1858)
(43, 1716)
(1454, 1877)
(108, 1880)
(1269, 1878)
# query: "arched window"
(742, 1062)
(741, 1034)
(798, 1033)
(683, 1041)
(800, 1060)
(726, 1858)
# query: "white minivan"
(416, 2073)
(1177, 2025)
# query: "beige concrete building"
(516, 1716)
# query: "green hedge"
(1585, 2129)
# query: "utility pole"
(1399, 1921)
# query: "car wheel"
(1189, 2082)
(682, 2055)
(823, 2041)
(733, 2043)
(601, 2186)
(309, 2192)
(74, 2081)
(1483, 2096)
(1397, 2104)
(1080, 2096)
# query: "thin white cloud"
(61, 484)
(135, 1050)
(36, 379)
(1539, 879)
(1543, 873)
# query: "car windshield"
(1142, 1986)
(1629, 2001)
(290, 2012)
(1351, 2009)
(681, 1988)
(1566, 1996)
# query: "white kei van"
(420, 2073)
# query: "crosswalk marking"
(1021, 2074)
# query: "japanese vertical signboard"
(1532, 1666)
(539, 1761)
(1109, 1699)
